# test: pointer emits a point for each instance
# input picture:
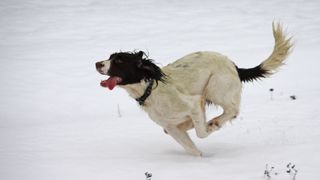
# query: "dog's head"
(128, 68)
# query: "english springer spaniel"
(176, 95)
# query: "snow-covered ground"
(57, 123)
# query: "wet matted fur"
(177, 99)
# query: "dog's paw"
(213, 125)
(195, 152)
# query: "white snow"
(56, 122)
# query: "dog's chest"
(168, 109)
(165, 117)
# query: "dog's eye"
(118, 61)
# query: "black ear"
(148, 66)
(152, 71)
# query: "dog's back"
(191, 73)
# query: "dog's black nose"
(99, 65)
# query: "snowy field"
(57, 123)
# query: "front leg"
(183, 139)
(185, 126)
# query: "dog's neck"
(137, 90)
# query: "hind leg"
(230, 112)
(229, 100)
(227, 115)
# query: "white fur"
(106, 66)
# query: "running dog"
(176, 95)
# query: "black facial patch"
(132, 67)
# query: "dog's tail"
(281, 50)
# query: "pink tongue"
(110, 83)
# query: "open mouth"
(111, 82)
